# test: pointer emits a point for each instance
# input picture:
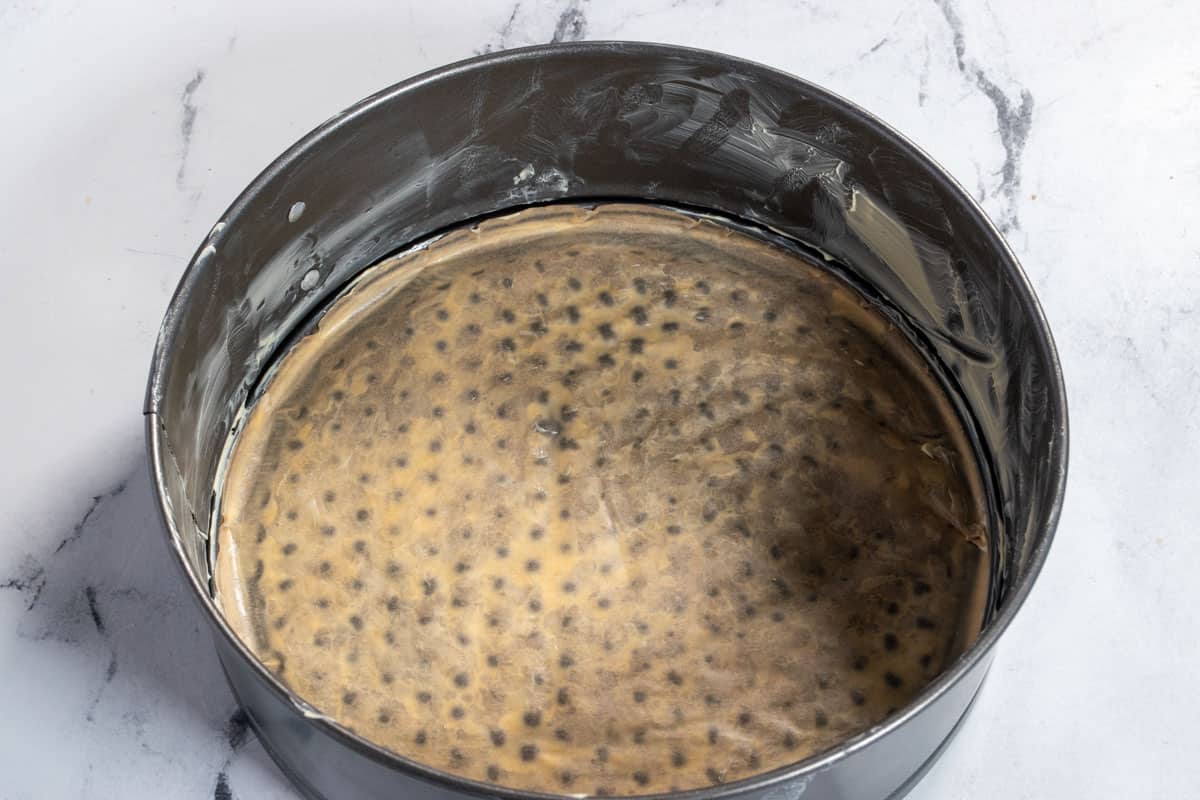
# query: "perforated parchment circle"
(607, 501)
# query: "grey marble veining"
(128, 128)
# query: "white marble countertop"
(127, 127)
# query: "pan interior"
(603, 500)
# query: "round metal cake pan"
(595, 121)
